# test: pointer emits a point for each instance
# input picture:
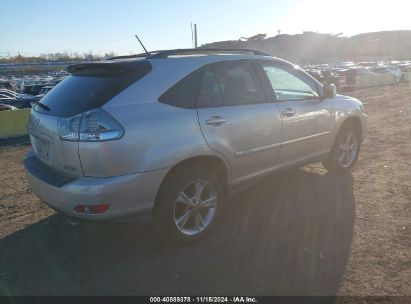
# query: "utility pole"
(195, 35)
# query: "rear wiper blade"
(42, 105)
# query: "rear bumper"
(364, 120)
(128, 195)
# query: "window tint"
(185, 93)
(231, 83)
(287, 86)
(238, 83)
(210, 91)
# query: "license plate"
(42, 149)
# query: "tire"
(336, 161)
(182, 213)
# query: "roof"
(162, 54)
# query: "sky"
(44, 26)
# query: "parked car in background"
(44, 91)
(367, 64)
(32, 89)
(404, 67)
(5, 84)
(351, 74)
(364, 71)
(16, 99)
(344, 65)
(315, 74)
(12, 94)
(169, 135)
(6, 107)
(395, 71)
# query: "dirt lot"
(300, 232)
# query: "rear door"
(238, 119)
(307, 120)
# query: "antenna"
(195, 35)
(145, 50)
(192, 34)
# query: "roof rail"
(166, 53)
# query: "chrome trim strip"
(273, 146)
(304, 138)
(258, 149)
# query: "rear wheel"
(189, 203)
(345, 151)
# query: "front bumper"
(128, 195)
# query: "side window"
(230, 83)
(184, 94)
(287, 86)
(210, 91)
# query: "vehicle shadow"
(290, 234)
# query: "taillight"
(68, 128)
(94, 125)
(93, 209)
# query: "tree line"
(57, 56)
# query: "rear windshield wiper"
(42, 105)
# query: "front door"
(238, 120)
(307, 120)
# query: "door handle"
(288, 112)
(216, 121)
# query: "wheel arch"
(209, 161)
(355, 122)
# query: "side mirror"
(329, 91)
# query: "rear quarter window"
(184, 93)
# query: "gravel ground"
(301, 232)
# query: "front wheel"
(189, 203)
(345, 150)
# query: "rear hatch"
(49, 149)
(88, 87)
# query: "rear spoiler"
(110, 68)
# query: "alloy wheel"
(195, 207)
(348, 149)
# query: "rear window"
(91, 86)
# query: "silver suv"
(169, 134)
